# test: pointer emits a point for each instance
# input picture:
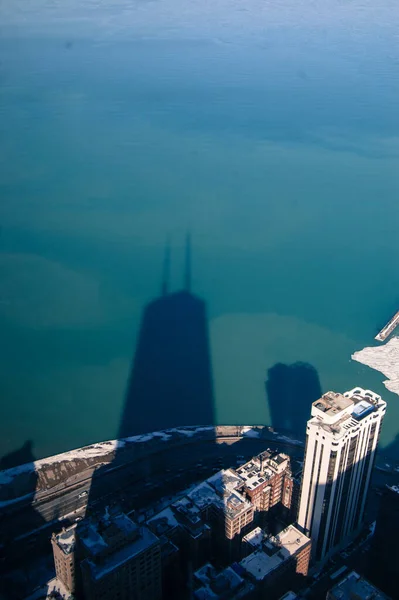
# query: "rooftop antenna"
(166, 269)
(187, 270)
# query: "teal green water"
(284, 169)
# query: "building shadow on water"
(290, 391)
(170, 382)
(170, 387)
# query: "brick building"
(268, 484)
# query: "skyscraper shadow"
(170, 382)
(290, 391)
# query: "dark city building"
(384, 555)
(354, 587)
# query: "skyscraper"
(341, 440)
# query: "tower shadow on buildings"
(170, 382)
(290, 390)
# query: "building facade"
(384, 555)
(267, 483)
(341, 442)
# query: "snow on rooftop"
(203, 495)
(93, 541)
(66, 539)
(165, 515)
(225, 480)
(254, 537)
(385, 359)
(261, 562)
(145, 541)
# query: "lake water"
(281, 164)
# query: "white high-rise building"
(341, 441)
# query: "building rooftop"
(255, 537)
(338, 413)
(354, 587)
(225, 584)
(220, 490)
(101, 535)
(143, 542)
(163, 521)
(226, 480)
(332, 403)
(66, 540)
(273, 552)
(261, 468)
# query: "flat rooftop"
(261, 468)
(354, 586)
(144, 541)
(66, 539)
(332, 403)
(221, 490)
(254, 537)
(98, 535)
(274, 552)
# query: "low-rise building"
(279, 562)
(354, 587)
(227, 584)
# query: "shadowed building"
(384, 555)
(107, 558)
(170, 382)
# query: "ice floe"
(384, 359)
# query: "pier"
(388, 329)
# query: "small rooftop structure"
(354, 587)
(254, 538)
